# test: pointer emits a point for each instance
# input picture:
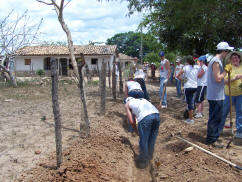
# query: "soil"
(27, 140)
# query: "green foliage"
(129, 43)
(190, 25)
(152, 57)
(171, 56)
(43, 118)
(40, 72)
(93, 83)
(53, 43)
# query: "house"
(126, 60)
(33, 58)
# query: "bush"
(40, 72)
(152, 57)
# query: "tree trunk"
(120, 78)
(103, 88)
(109, 75)
(114, 79)
(12, 78)
(77, 71)
(88, 75)
(56, 112)
(83, 98)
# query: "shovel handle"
(238, 167)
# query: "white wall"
(37, 62)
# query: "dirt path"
(26, 124)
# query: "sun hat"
(202, 58)
(224, 46)
(161, 54)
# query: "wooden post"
(114, 79)
(120, 78)
(109, 75)
(103, 88)
(56, 111)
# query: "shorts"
(201, 92)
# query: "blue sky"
(88, 20)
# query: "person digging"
(148, 119)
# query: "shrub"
(40, 72)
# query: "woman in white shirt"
(178, 68)
(133, 89)
(148, 119)
(190, 87)
(201, 85)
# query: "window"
(27, 61)
(94, 61)
(47, 64)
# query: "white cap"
(209, 57)
(224, 46)
(178, 60)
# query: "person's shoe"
(163, 106)
(189, 121)
(217, 144)
(141, 165)
(198, 115)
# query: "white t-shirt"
(139, 74)
(203, 80)
(191, 76)
(133, 85)
(163, 70)
(178, 69)
(141, 108)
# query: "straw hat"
(227, 59)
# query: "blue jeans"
(215, 120)
(148, 131)
(164, 102)
(136, 94)
(141, 81)
(237, 102)
(178, 88)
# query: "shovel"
(230, 111)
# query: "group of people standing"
(208, 77)
(200, 76)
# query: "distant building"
(126, 60)
(32, 58)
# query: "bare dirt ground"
(27, 143)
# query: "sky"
(88, 20)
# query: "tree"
(53, 43)
(152, 57)
(129, 43)
(15, 32)
(192, 24)
(77, 70)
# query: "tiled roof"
(125, 57)
(63, 50)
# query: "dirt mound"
(108, 154)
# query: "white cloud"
(87, 19)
